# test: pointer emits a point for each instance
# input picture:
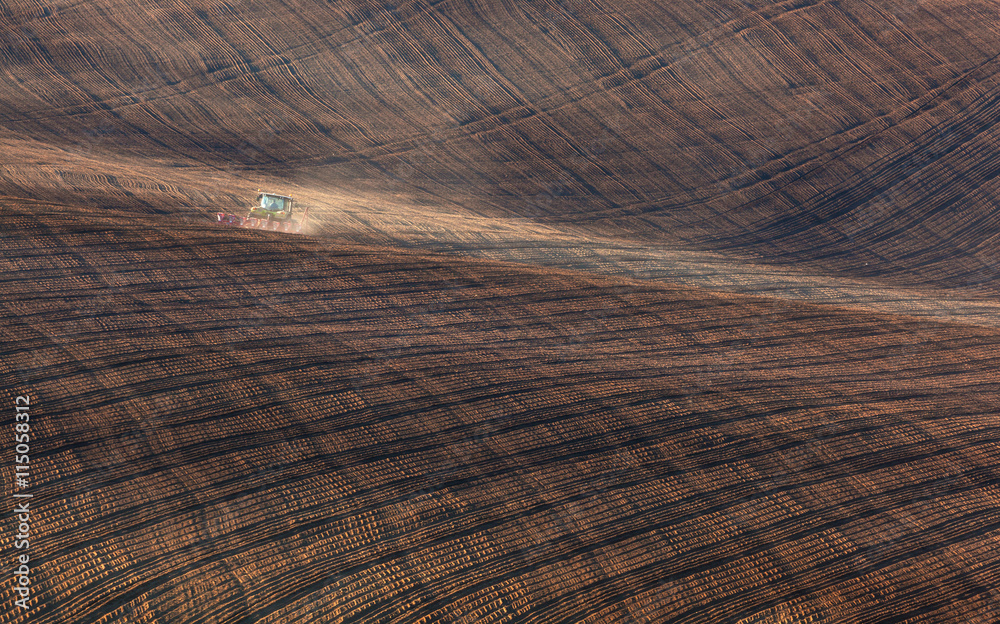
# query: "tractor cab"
(272, 207)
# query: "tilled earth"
(253, 426)
(607, 312)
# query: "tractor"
(269, 212)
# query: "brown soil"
(608, 312)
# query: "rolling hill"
(608, 312)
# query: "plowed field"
(627, 312)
